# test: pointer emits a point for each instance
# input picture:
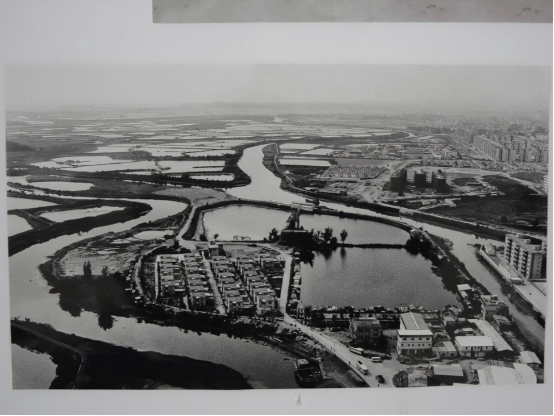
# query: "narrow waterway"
(30, 297)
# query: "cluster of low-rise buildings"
(447, 334)
(475, 331)
(353, 172)
(183, 277)
(244, 284)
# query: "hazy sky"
(446, 88)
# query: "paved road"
(388, 368)
(61, 344)
(533, 296)
(217, 296)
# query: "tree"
(87, 270)
(327, 234)
(215, 236)
(343, 235)
(273, 235)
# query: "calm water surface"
(367, 277)
(243, 220)
(31, 370)
(17, 225)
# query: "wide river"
(265, 366)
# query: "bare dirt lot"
(110, 251)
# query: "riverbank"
(26, 239)
(112, 367)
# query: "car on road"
(363, 369)
(380, 378)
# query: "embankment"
(189, 233)
(22, 241)
(465, 226)
(113, 367)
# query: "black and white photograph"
(230, 227)
(276, 207)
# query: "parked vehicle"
(376, 359)
(380, 378)
(361, 366)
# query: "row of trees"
(317, 237)
(327, 236)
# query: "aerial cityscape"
(277, 227)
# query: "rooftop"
(488, 330)
(412, 321)
(415, 333)
(474, 341)
(464, 287)
(454, 370)
(529, 357)
(530, 243)
(520, 374)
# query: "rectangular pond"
(368, 277)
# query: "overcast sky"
(449, 88)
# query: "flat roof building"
(525, 254)
(414, 336)
(365, 330)
(473, 346)
(487, 330)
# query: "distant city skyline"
(411, 88)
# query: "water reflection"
(370, 277)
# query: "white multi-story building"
(525, 254)
(473, 346)
(414, 336)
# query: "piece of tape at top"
(242, 11)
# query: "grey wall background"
(202, 11)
